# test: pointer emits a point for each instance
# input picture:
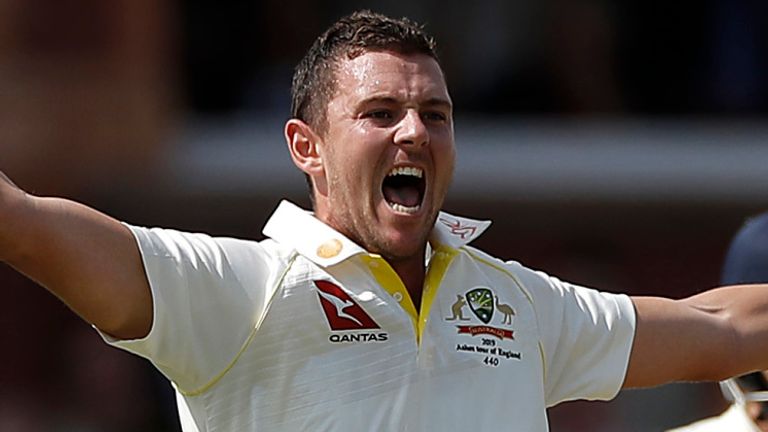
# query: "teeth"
(409, 171)
(406, 171)
(403, 209)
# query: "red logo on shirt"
(341, 311)
(458, 229)
(481, 330)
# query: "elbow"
(718, 347)
(727, 352)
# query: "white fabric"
(734, 419)
(239, 328)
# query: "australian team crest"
(481, 302)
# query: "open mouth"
(403, 189)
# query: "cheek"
(444, 154)
(359, 149)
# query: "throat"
(415, 294)
(412, 275)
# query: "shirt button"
(398, 296)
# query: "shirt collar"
(456, 231)
(295, 227)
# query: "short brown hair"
(350, 36)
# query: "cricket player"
(371, 312)
(744, 263)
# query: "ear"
(304, 145)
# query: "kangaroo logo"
(456, 309)
(340, 310)
(481, 302)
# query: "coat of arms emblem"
(481, 302)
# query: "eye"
(435, 116)
(379, 114)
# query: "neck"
(411, 272)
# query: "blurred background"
(616, 144)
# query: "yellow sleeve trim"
(247, 342)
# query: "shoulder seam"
(501, 269)
(248, 341)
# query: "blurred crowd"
(555, 57)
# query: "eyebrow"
(431, 102)
(439, 102)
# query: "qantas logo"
(341, 311)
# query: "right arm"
(87, 259)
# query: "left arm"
(710, 336)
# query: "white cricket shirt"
(306, 331)
(734, 419)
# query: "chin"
(404, 245)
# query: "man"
(335, 322)
(745, 263)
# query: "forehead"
(389, 73)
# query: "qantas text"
(358, 337)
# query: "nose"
(411, 131)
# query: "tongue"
(403, 195)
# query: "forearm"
(711, 336)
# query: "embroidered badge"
(481, 302)
(495, 336)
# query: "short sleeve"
(208, 295)
(586, 337)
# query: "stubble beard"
(361, 226)
(362, 229)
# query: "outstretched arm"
(710, 336)
(87, 259)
